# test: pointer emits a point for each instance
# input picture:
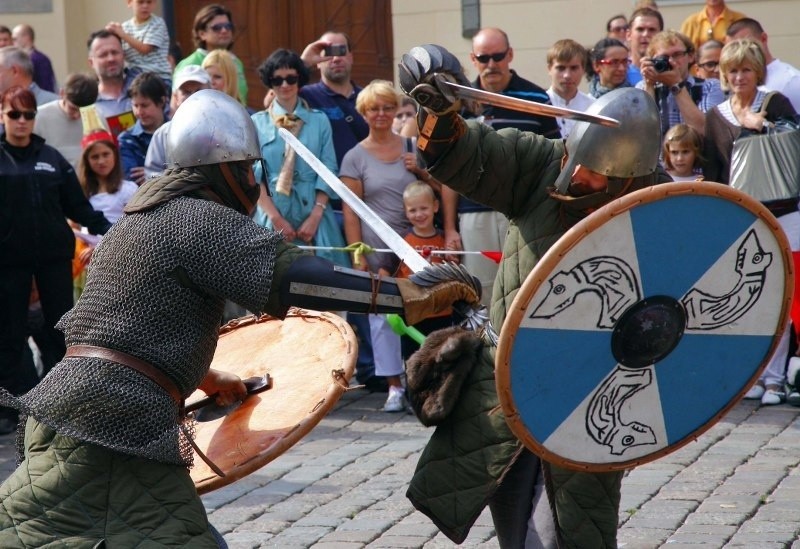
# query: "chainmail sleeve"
(155, 289)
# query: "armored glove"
(435, 289)
(423, 71)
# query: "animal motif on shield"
(604, 421)
(610, 278)
(705, 311)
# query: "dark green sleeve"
(503, 169)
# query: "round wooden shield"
(310, 358)
(643, 325)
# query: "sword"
(531, 107)
(411, 257)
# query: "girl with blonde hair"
(220, 66)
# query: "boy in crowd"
(148, 95)
(145, 40)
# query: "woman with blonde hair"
(220, 66)
(743, 68)
(378, 169)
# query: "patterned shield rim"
(543, 270)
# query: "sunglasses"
(615, 62)
(496, 57)
(15, 115)
(277, 81)
(219, 27)
(709, 65)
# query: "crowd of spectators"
(709, 80)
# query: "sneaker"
(793, 397)
(755, 392)
(773, 395)
(396, 401)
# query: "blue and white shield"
(643, 325)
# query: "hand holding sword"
(434, 78)
(425, 275)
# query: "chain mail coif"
(155, 289)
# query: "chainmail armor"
(155, 289)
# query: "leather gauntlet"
(422, 302)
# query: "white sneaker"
(755, 392)
(773, 395)
(396, 402)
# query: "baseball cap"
(190, 73)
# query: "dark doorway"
(265, 25)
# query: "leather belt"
(149, 371)
(132, 362)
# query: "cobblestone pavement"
(343, 487)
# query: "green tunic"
(468, 454)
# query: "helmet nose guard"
(630, 150)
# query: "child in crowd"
(682, 153)
(145, 40)
(420, 205)
(100, 175)
(148, 96)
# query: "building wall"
(534, 25)
(62, 33)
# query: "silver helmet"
(630, 150)
(211, 127)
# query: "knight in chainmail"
(105, 446)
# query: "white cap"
(191, 73)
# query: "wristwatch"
(675, 89)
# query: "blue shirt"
(347, 124)
(133, 145)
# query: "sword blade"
(531, 107)
(403, 249)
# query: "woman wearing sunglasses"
(38, 192)
(608, 67)
(297, 202)
(213, 29)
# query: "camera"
(336, 50)
(661, 63)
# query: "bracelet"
(321, 205)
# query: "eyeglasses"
(709, 65)
(15, 115)
(219, 27)
(676, 55)
(496, 57)
(620, 29)
(277, 81)
(382, 109)
(615, 62)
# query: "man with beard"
(108, 62)
(545, 186)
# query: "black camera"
(337, 50)
(661, 63)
